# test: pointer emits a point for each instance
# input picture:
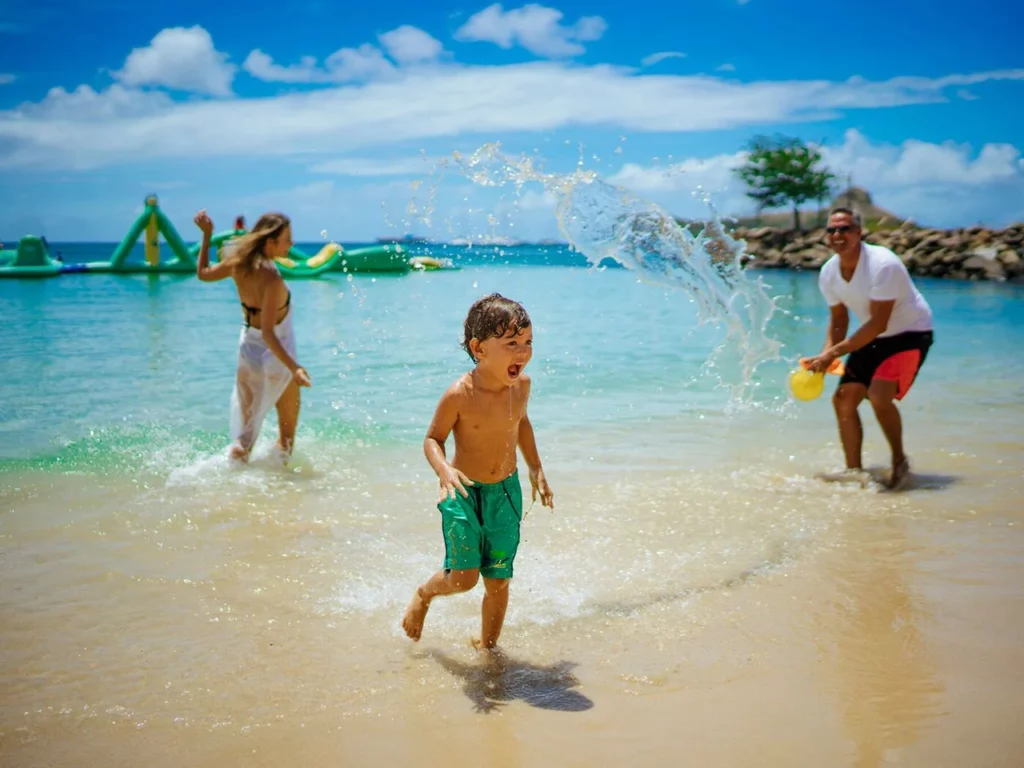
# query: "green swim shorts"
(482, 531)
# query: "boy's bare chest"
(496, 414)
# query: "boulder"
(982, 265)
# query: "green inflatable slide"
(152, 222)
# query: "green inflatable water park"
(31, 259)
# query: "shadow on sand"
(877, 478)
(499, 679)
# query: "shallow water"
(698, 591)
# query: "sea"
(700, 594)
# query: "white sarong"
(261, 381)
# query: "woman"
(268, 374)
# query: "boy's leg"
(441, 583)
(493, 612)
(462, 534)
(502, 518)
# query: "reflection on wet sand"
(887, 685)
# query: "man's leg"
(882, 393)
(846, 400)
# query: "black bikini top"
(250, 311)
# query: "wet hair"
(248, 249)
(854, 216)
(493, 316)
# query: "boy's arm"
(445, 416)
(528, 444)
(528, 447)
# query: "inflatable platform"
(330, 258)
(31, 259)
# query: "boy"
(480, 498)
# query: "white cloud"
(363, 166)
(345, 65)
(6, 78)
(262, 67)
(419, 104)
(182, 59)
(410, 45)
(917, 163)
(654, 58)
(84, 105)
(725, 68)
(536, 28)
(932, 183)
(713, 174)
(406, 45)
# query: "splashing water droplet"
(323, 233)
(604, 221)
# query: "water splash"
(605, 221)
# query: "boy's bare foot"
(492, 656)
(238, 453)
(900, 475)
(482, 647)
(415, 615)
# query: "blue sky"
(346, 116)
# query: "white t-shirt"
(880, 276)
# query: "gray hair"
(854, 215)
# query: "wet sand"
(753, 620)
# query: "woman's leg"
(243, 427)
(288, 417)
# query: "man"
(887, 350)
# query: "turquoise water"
(99, 367)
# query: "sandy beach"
(699, 596)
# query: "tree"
(785, 171)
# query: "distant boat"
(405, 240)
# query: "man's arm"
(876, 324)
(838, 325)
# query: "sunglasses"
(841, 230)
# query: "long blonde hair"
(248, 250)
